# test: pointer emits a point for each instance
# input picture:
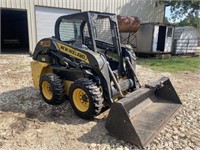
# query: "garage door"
(46, 18)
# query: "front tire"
(52, 89)
(86, 98)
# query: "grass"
(173, 64)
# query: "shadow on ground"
(29, 102)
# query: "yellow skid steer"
(86, 62)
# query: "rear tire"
(52, 89)
(86, 98)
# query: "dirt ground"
(26, 122)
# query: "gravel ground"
(28, 123)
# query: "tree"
(166, 20)
(183, 8)
(188, 9)
(194, 21)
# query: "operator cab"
(90, 31)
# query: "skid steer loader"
(86, 63)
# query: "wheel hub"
(46, 90)
(80, 100)
(84, 98)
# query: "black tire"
(55, 89)
(93, 95)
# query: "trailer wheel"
(52, 89)
(86, 98)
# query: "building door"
(168, 39)
(161, 38)
(46, 18)
(14, 31)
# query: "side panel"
(67, 85)
(144, 38)
(73, 52)
(38, 68)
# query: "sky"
(167, 14)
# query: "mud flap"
(139, 116)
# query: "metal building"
(25, 22)
(186, 40)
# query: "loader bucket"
(139, 116)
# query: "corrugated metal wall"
(146, 10)
(186, 46)
(186, 40)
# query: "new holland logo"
(73, 52)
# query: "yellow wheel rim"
(46, 90)
(81, 100)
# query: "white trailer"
(154, 38)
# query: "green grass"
(173, 64)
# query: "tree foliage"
(190, 21)
(187, 9)
(166, 20)
(181, 8)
